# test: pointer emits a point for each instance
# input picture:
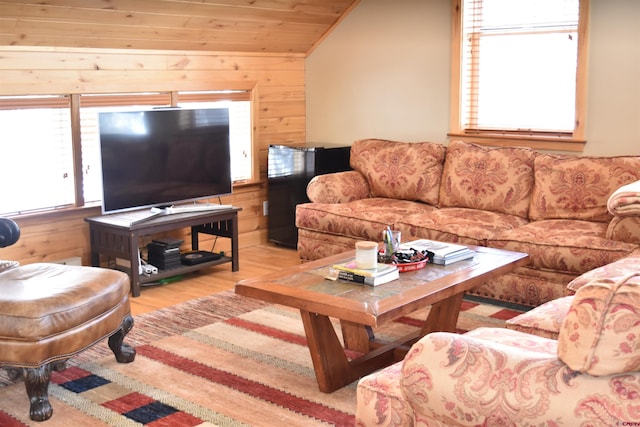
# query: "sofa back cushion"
(600, 334)
(498, 179)
(400, 170)
(579, 187)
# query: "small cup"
(391, 243)
(366, 255)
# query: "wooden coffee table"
(360, 308)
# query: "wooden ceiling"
(269, 26)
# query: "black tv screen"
(162, 157)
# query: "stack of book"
(443, 253)
(383, 273)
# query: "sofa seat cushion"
(569, 246)
(599, 335)
(579, 187)
(400, 170)
(621, 267)
(363, 219)
(544, 321)
(380, 399)
(458, 225)
(498, 179)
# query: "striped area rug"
(222, 360)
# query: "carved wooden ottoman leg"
(36, 381)
(124, 353)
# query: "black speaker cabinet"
(290, 170)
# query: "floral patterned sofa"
(552, 207)
(589, 376)
(546, 319)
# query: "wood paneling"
(277, 82)
(119, 46)
(274, 26)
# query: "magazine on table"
(383, 273)
(443, 253)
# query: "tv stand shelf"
(112, 236)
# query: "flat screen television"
(163, 157)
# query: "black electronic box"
(164, 253)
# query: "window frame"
(75, 103)
(573, 141)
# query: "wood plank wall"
(276, 82)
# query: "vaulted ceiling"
(270, 26)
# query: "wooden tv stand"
(113, 236)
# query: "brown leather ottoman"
(50, 312)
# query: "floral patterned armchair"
(590, 376)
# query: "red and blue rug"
(221, 360)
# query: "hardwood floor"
(254, 261)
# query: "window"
(239, 128)
(90, 106)
(51, 168)
(520, 71)
(37, 158)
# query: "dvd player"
(198, 257)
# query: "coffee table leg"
(329, 360)
(443, 315)
(356, 337)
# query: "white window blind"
(37, 156)
(90, 106)
(519, 65)
(239, 134)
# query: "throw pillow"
(601, 333)
(400, 170)
(579, 187)
(497, 179)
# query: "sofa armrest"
(624, 205)
(503, 377)
(624, 229)
(625, 201)
(338, 187)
